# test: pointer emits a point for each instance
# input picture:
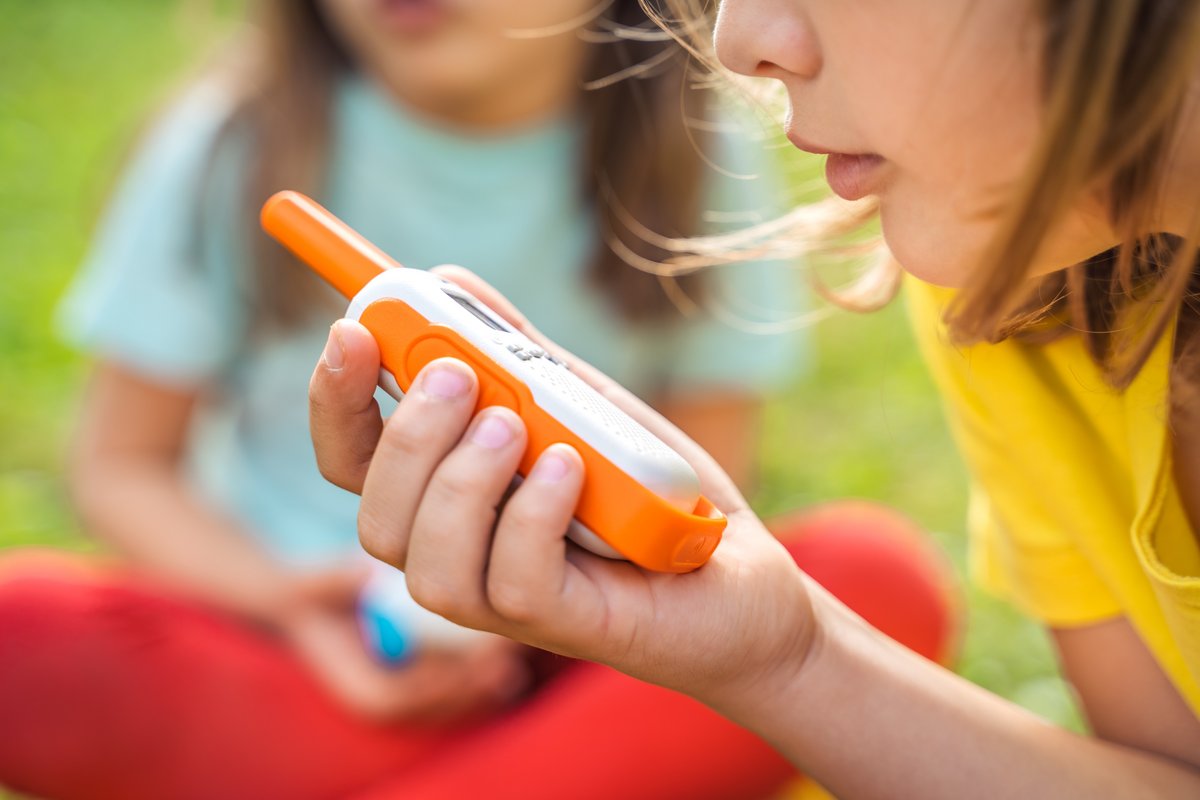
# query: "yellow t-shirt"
(1074, 515)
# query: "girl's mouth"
(852, 176)
(411, 17)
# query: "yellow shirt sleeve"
(1043, 494)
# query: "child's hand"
(434, 686)
(432, 480)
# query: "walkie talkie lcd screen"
(482, 317)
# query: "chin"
(436, 73)
(942, 259)
(921, 260)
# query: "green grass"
(77, 81)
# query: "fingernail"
(492, 432)
(551, 467)
(335, 350)
(444, 383)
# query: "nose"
(767, 39)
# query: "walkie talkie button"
(514, 348)
(491, 392)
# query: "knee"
(44, 598)
(49, 611)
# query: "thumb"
(343, 416)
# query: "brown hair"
(1116, 79)
(639, 157)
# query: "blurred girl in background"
(225, 659)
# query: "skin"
(128, 485)
(127, 473)
(464, 69)
(947, 164)
(770, 649)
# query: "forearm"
(147, 512)
(869, 719)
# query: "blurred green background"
(78, 80)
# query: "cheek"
(959, 138)
(954, 180)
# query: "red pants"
(112, 687)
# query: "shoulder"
(1043, 438)
(176, 170)
(146, 295)
(182, 137)
(1015, 372)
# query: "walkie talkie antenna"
(336, 252)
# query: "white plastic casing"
(558, 391)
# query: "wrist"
(775, 688)
(292, 614)
(285, 606)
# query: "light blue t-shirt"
(164, 290)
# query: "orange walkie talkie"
(641, 500)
